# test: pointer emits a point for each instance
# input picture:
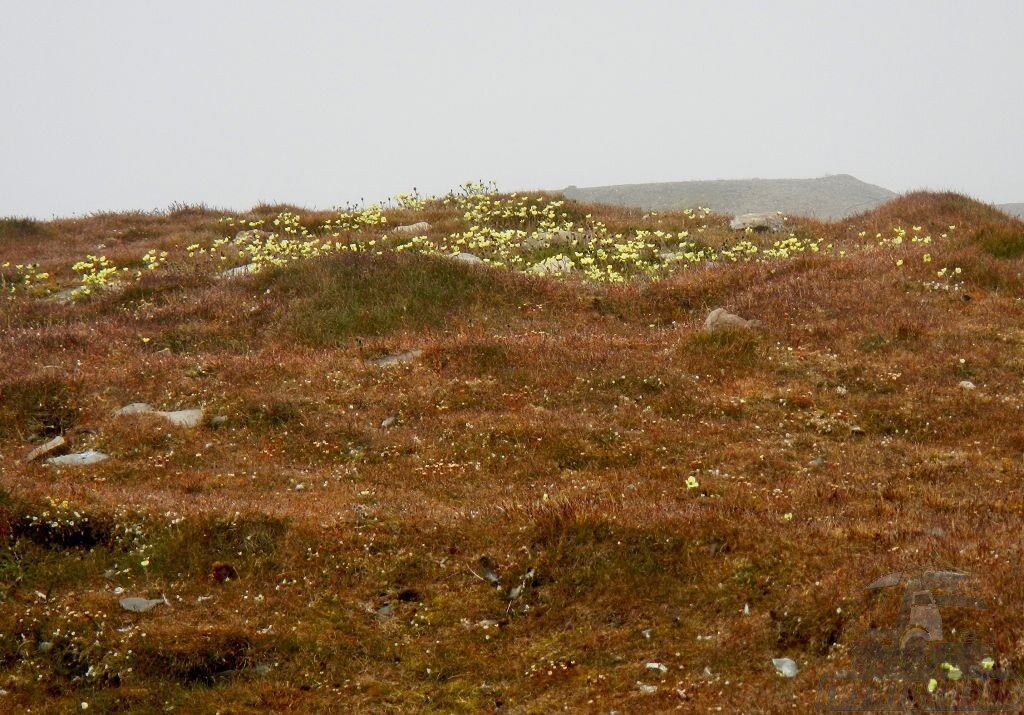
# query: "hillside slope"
(828, 197)
(423, 484)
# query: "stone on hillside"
(396, 359)
(184, 418)
(79, 459)
(467, 258)
(178, 418)
(252, 235)
(544, 239)
(141, 605)
(240, 271)
(413, 229)
(767, 221)
(785, 667)
(555, 265)
(44, 449)
(967, 385)
(721, 318)
(135, 408)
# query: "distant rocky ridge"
(828, 197)
(1012, 209)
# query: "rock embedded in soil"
(764, 221)
(785, 667)
(78, 459)
(397, 358)
(178, 418)
(412, 229)
(721, 318)
(240, 271)
(555, 265)
(141, 605)
(468, 258)
(967, 385)
(42, 450)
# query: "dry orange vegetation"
(641, 490)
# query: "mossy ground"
(550, 426)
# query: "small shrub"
(41, 405)
(14, 228)
(1005, 241)
(718, 350)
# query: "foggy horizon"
(131, 107)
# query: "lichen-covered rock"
(721, 318)
(767, 221)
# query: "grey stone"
(252, 234)
(887, 581)
(178, 418)
(555, 265)
(135, 408)
(721, 318)
(44, 449)
(390, 421)
(78, 459)
(766, 221)
(785, 667)
(184, 418)
(141, 605)
(413, 229)
(467, 258)
(967, 385)
(545, 239)
(240, 271)
(397, 358)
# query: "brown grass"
(549, 427)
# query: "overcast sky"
(136, 104)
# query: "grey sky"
(137, 104)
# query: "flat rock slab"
(467, 258)
(44, 449)
(555, 265)
(178, 418)
(767, 221)
(721, 318)
(237, 271)
(396, 359)
(141, 605)
(785, 667)
(412, 229)
(79, 459)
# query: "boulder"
(760, 222)
(721, 318)
(396, 359)
(240, 271)
(253, 235)
(467, 258)
(42, 450)
(413, 229)
(561, 239)
(78, 459)
(178, 418)
(555, 265)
